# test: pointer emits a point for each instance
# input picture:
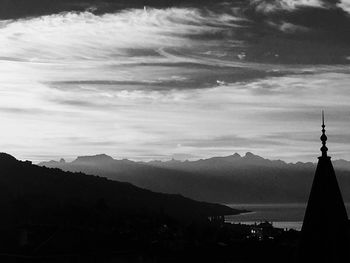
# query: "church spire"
(324, 234)
(323, 138)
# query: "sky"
(174, 79)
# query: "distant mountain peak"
(94, 158)
(251, 155)
(236, 155)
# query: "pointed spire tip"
(323, 138)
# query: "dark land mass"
(49, 215)
(230, 179)
(40, 189)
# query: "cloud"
(174, 81)
(215, 37)
(261, 116)
(265, 6)
(324, 20)
(345, 5)
(85, 36)
(270, 6)
(288, 27)
(229, 141)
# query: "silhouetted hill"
(30, 193)
(230, 179)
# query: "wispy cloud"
(266, 6)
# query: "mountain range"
(231, 179)
(30, 193)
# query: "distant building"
(220, 220)
(325, 232)
(264, 231)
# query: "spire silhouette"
(325, 230)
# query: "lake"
(288, 216)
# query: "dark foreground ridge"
(48, 189)
(53, 216)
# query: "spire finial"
(323, 119)
(323, 138)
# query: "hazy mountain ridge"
(231, 160)
(234, 160)
(341, 164)
(230, 179)
(45, 191)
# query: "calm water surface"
(288, 216)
